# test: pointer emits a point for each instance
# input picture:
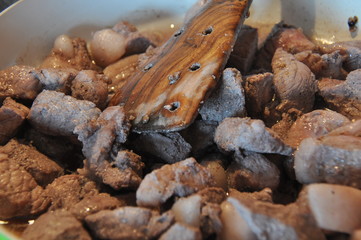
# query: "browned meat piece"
(75, 56)
(336, 208)
(168, 147)
(159, 224)
(68, 190)
(12, 116)
(351, 51)
(56, 79)
(288, 38)
(343, 96)
(201, 210)
(273, 221)
(314, 124)
(282, 127)
(54, 113)
(327, 65)
(252, 172)
(93, 204)
(60, 149)
(294, 83)
(228, 100)
(136, 42)
(331, 158)
(265, 195)
(259, 92)
(119, 72)
(121, 223)
(244, 49)
(234, 134)
(182, 232)
(19, 83)
(20, 195)
(200, 136)
(351, 129)
(119, 169)
(55, 225)
(39, 166)
(91, 86)
(179, 179)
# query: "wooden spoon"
(166, 92)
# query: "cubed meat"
(54, 113)
(69, 53)
(294, 83)
(18, 82)
(68, 190)
(314, 124)
(121, 223)
(326, 65)
(350, 50)
(331, 159)
(288, 38)
(55, 225)
(244, 49)
(92, 204)
(91, 86)
(104, 161)
(274, 221)
(168, 147)
(55, 79)
(252, 172)
(12, 116)
(182, 232)
(39, 166)
(259, 91)
(179, 179)
(343, 96)
(20, 195)
(227, 100)
(234, 134)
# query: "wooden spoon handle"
(165, 94)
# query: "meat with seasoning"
(12, 116)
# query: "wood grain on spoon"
(166, 92)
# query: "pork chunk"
(104, 161)
(252, 172)
(228, 100)
(273, 221)
(54, 113)
(179, 179)
(20, 195)
(18, 82)
(55, 79)
(182, 232)
(55, 225)
(314, 124)
(68, 190)
(12, 116)
(259, 91)
(294, 83)
(234, 134)
(168, 147)
(326, 65)
(91, 86)
(39, 166)
(244, 49)
(92, 204)
(288, 38)
(330, 159)
(121, 223)
(343, 96)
